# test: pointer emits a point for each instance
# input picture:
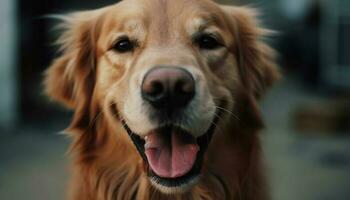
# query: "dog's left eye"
(123, 45)
(207, 41)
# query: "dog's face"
(169, 72)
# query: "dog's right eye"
(207, 41)
(123, 45)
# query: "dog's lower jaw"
(174, 190)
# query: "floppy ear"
(256, 62)
(69, 80)
(256, 59)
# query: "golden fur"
(106, 164)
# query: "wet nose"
(168, 87)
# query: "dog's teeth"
(147, 145)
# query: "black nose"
(168, 87)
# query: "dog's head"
(168, 71)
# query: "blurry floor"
(33, 164)
(302, 166)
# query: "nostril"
(153, 91)
(183, 92)
(184, 87)
(156, 90)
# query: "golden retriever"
(164, 94)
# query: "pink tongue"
(170, 160)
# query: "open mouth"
(173, 157)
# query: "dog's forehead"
(162, 15)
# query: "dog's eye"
(207, 41)
(123, 45)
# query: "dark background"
(36, 50)
(307, 114)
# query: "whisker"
(217, 125)
(228, 111)
(100, 113)
(226, 100)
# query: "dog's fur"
(90, 78)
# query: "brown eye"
(124, 45)
(207, 41)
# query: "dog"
(164, 95)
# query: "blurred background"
(307, 114)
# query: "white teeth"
(147, 145)
(147, 142)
